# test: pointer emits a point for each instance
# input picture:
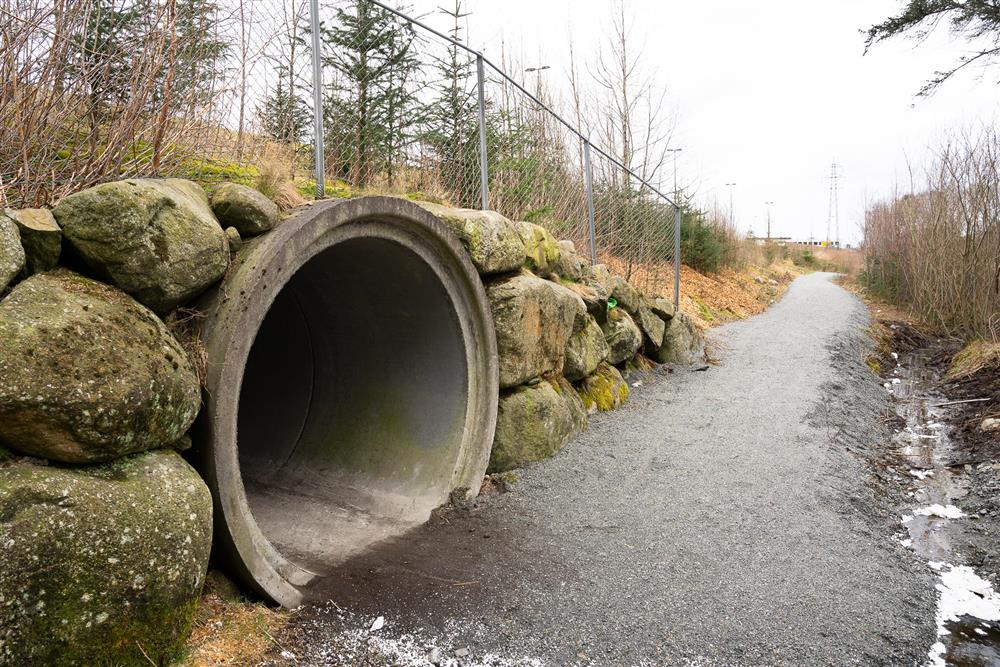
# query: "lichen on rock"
(88, 373)
(494, 243)
(244, 208)
(623, 336)
(585, 351)
(41, 237)
(682, 342)
(102, 564)
(604, 390)
(533, 319)
(11, 253)
(156, 239)
(534, 422)
(541, 250)
(569, 264)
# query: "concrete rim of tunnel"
(236, 309)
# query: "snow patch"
(962, 593)
(942, 511)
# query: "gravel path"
(721, 517)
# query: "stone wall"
(105, 530)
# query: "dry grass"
(276, 181)
(229, 630)
(185, 325)
(977, 356)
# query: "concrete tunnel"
(351, 388)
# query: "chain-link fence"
(224, 90)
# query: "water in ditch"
(968, 611)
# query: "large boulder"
(541, 250)
(568, 265)
(623, 336)
(585, 350)
(605, 389)
(242, 207)
(102, 564)
(41, 237)
(534, 422)
(494, 242)
(652, 327)
(11, 253)
(682, 342)
(88, 373)
(156, 239)
(533, 319)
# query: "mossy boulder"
(11, 253)
(569, 264)
(585, 351)
(603, 390)
(652, 327)
(683, 343)
(534, 422)
(102, 564)
(88, 373)
(41, 237)
(244, 208)
(533, 319)
(541, 250)
(156, 239)
(628, 297)
(623, 336)
(494, 242)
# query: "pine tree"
(369, 113)
(201, 52)
(285, 117)
(452, 131)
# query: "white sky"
(767, 94)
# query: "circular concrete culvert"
(351, 388)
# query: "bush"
(703, 246)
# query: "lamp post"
(768, 204)
(732, 217)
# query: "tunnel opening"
(353, 402)
(351, 387)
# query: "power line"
(833, 210)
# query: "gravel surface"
(721, 517)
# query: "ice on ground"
(942, 511)
(962, 593)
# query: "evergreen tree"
(452, 131)
(285, 117)
(201, 52)
(370, 113)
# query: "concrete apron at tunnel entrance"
(351, 388)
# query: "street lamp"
(732, 218)
(768, 205)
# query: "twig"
(144, 653)
(968, 400)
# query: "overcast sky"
(767, 94)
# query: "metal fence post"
(590, 201)
(484, 164)
(677, 254)
(317, 64)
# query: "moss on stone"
(604, 390)
(103, 564)
(534, 422)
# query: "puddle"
(968, 614)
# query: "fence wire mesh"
(94, 90)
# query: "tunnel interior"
(353, 402)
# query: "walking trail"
(721, 517)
